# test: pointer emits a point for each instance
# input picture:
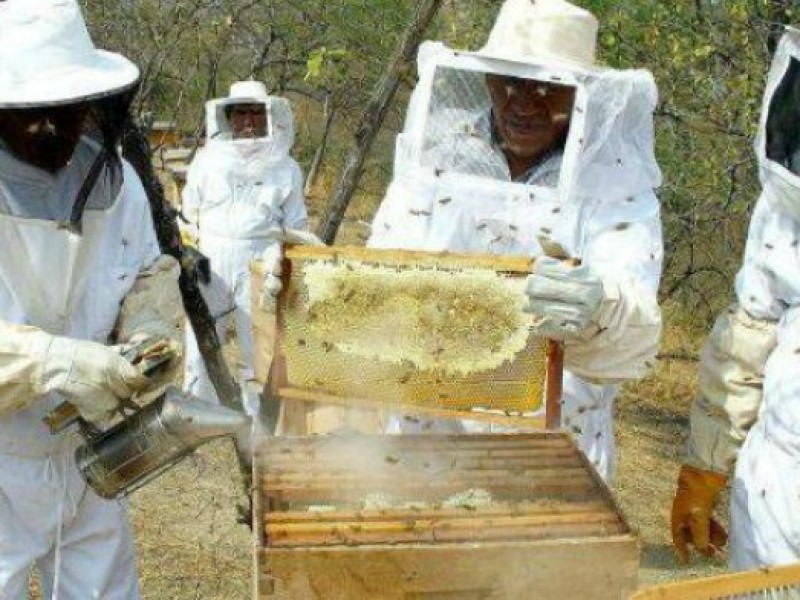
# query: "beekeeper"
(528, 147)
(242, 190)
(78, 241)
(747, 410)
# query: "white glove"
(91, 376)
(271, 263)
(271, 285)
(564, 298)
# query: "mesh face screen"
(409, 328)
(783, 128)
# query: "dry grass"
(190, 545)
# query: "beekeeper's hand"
(272, 258)
(271, 284)
(563, 298)
(91, 376)
(692, 522)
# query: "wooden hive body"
(536, 521)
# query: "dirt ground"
(190, 544)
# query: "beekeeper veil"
(777, 143)
(250, 156)
(459, 139)
(47, 59)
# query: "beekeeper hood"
(47, 59)
(777, 143)
(250, 154)
(450, 139)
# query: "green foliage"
(709, 59)
(326, 65)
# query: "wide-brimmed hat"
(47, 57)
(543, 30)
(241, 92)
(247, 91)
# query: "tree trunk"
(319, 154)
(373, 118)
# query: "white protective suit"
(71, 286)
(238, 193)
(758, 344)
(452, 191)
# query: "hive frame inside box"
(591, 564)
(269, 333)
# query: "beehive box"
(436, 517)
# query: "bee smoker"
(153, 439)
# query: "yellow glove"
(697, 496)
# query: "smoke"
(349, 471)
